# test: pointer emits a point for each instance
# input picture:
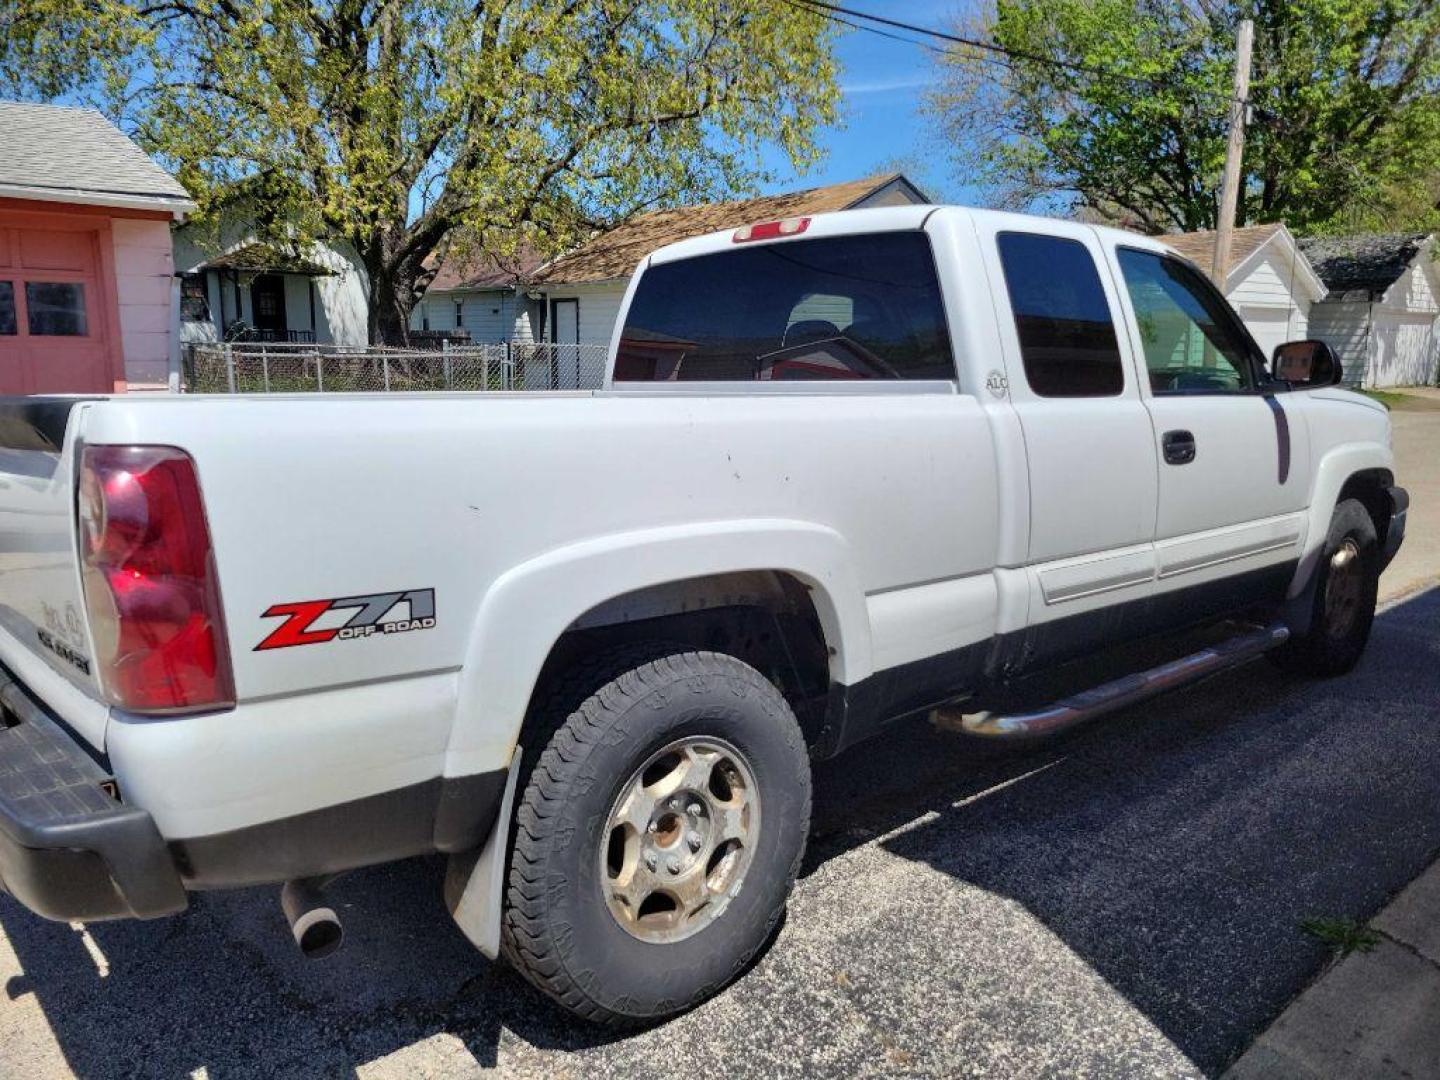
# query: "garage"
(57, 332)
(87, 288)
(1382, 315)
(1272, 326)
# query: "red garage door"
(57, 305)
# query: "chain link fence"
(275, 368)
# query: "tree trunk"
(391, 300)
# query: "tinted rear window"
(845, 307)
(1067, 337)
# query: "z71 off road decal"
(375, 615)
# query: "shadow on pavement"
(1177, 848)
(1174, 848)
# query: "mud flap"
(475, 880)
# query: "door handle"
(1179, 447)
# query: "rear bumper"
(68, 849)
(1395, 534)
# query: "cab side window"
(1193, 342)
(1067, 334)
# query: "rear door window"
(1067, 334)
(837, 308)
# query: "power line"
(834, 13)
(873, 30)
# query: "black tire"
(609, 716)
(1335, 641)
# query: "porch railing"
(274, 337)
(276, 368)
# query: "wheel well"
(1368, 487)
(765, 618)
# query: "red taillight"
(150, 583)
(771, 230)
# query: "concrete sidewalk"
(1372, 1015)
(1417, 448)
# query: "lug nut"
(650, 863)
(694, 841)
(673, 866)
(694, 809)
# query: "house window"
(56, 309)
(194, 301)
(459, 314)
(7, 308)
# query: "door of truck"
(1233, 456)
(1087, 436)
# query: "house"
(235, 287)
(584, 289)
(1268, 280)
(1382, 315)
(88, 298)
(484, 297)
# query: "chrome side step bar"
(1118, 693)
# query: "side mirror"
(1306, 364)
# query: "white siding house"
(584, 313)
(484, 296)
(486, 315)
(1269, 281)
(233, 286)
(1382, 316)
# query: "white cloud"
(883, 86)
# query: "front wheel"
(1345, 598)
(658, 836)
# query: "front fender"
(528, 608)
(1336, 467)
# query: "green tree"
(402, 126)
(1118, 108)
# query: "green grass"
(1393, 399)
(1343, 936)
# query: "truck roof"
(891, 219)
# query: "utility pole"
(1234, 151)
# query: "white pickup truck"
(844, 469)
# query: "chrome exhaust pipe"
(314, 924)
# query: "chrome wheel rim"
(1344, 589)
(679, 839)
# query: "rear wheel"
(1345, 598)
(659, 833)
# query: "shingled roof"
(480, 270)
(615, 254)
(1371, 262)
(259, 258)
(58, 153)
(1199, 247)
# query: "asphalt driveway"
(1125, 902)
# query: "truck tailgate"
(41, 607)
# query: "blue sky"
(882, 82)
